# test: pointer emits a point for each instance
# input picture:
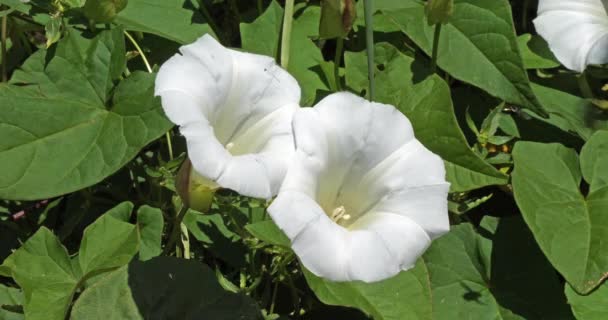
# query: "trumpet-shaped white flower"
(235, 111)
(362, 198)
(576, 30)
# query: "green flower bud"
(103, 10)
(195, 190)
(439, 11)
(337, 17)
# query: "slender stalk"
(140, 51)
(524, 15)
(274, 297)
(436, 37)
(338, 62)
(208, 17)
(185, 241)
(369, 40)
(176, 230)
(286, 36)
(235, 9)
(584, 86)
(147, 64)
(4, 55)
(260, 7)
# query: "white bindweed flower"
(362, 198)
(235, 111)
(576, 30)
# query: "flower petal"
(244, 104)
(576, 31)
(358, 162)
(405, 240)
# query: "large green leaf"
(405, 296)
(171, 288)
(43, 270)
(429, 107)
(590, 307)
(535, 52)
(497, 273)
(108, 243)
(177, 20)
(10, 298)
(570, 227)
(571, 113)
(150, 223)
(49, 278)
(67, 130)
(477, 46)
(108, 299)
(269, 232)
(162, 288)
(263, 36)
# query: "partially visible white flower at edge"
(235, 111)
(362, 199)
(576, 31)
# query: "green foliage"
(546, 184)
(479, 32)
(405, 296)
(71, 126)
(493, 272)
(177, 20)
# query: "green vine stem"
(209, 18)
(286, 36)
(369, 40)
(436, 37)
(4, 55)
(337, 62)
(176, 230)
(584, 86)
(147, 64)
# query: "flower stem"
(208, 17)
(4, 55)
(524, 15)
(435, 47)
(147, 64)
(286, 36)
(176, 229)
(369, 40)
(584, 86)
(140, 51)
(337, 62)
(260, 7)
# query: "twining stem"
(435, 47)
(176, 230)
(584, 86)
(369, 40)
(274, 297)
(524, 15)
(208, 17)
(4, 55)
(185, 240)
(337, 62)
(286, 36)
(140, 51)
(147, 64)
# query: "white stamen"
(339, 213)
